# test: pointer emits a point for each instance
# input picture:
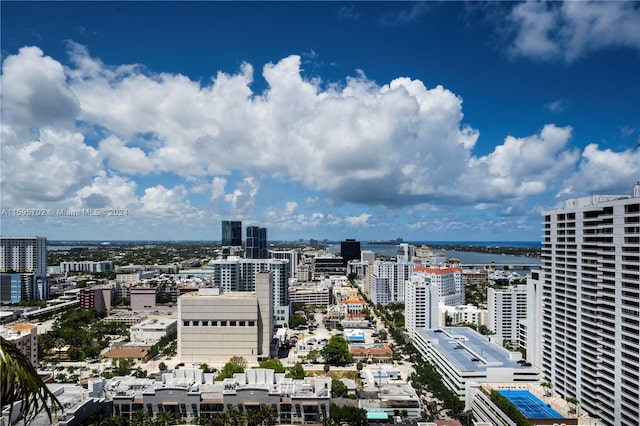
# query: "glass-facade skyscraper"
(256, 244)
(231, 233)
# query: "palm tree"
(22, 388)
(573, 405)
(142, 418)
(165, 418)
(269, 415)
(547, 388)
(235, 417)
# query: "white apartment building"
(466, 314)
(293, 256)
(379, 290)
(214, 326)
(237, 274)
(24, 254)
(86, 266)
(396, 273)
(421, 304)
(449, 282)
(506, 307)
(590, 308)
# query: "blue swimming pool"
(529, 405)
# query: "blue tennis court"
(529, 404)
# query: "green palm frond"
(20, 383)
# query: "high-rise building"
(349, 250)
(24, 254)
(24, 261)
(505, 308)
(293, 256)
(590, 310)
(231, 233)
(449, 281)
(396, 274)
(405, 252)
(421, 304)
(256, 243)
(237, 274)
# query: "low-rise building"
(310, 295)
(86, 266)
(189, 394)
(463, 356)
(126, 317)
(150, 331)
(393, 399)
(370, 352)
(78, 405)
(465, 314)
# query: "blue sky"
(368, 120)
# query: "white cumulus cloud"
(568, 30)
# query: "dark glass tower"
(349, 250)
(231, 233)
(256, 247)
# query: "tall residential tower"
(590, 279)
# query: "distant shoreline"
(512, 248)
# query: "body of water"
(466, 257)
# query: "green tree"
(20, 383)
(165, 418)
(359, 366)
(350, 415)
(313, 355)
(273, 364)
(297, 372)
(142, 418)
(268, 415)
(338, 389)
(296, 321)
(228, 370)
(124, 366)
(235, 417)
(336, 351)
(326, 368)
(238, 360)
(162, 366)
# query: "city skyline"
(367, 120)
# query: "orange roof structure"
(137, 353)
(23, 327)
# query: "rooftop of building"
(156, 322)
(471, 351)
(392, 395)
(194, 380)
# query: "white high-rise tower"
(590, 310)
